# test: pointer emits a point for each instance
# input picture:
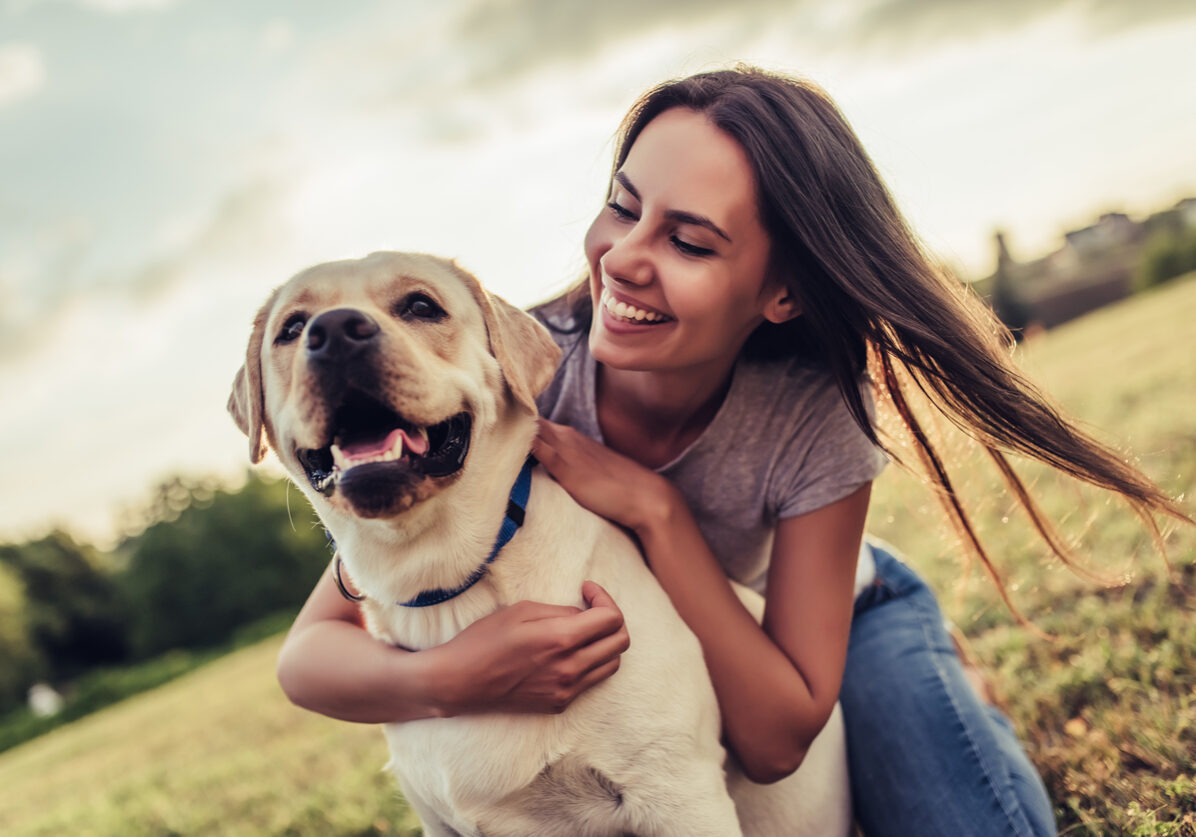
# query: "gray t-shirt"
(782, 443)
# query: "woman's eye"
(691, 249)
(621, 212)
(292, 328)
(421, 307)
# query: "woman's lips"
(629, 313)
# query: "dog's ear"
(246, 403)
(524, 349)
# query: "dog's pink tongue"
(418, 445)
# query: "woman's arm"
(528, 657)
(776, 684)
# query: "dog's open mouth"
(366, 432)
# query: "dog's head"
(371, 378)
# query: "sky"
(165, 163)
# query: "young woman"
(713, 398)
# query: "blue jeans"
(927, 756)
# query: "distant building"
(1094, 266)
(1112, 230)
(1187, 210)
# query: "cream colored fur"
(640, 753)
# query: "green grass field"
(1107, 708)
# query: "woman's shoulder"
(560, 317)
(567, 397)
(789, 382)
(793, 398)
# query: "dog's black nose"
(339, 334)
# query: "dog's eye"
(420, 307)
(291, 329)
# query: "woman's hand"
(605, 482)
(532, 657)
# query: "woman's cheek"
(597, 242)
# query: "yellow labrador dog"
(399, 396)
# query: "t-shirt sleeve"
(554, 316)
(827, 457)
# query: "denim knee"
(925, 755)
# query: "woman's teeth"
(629, 312)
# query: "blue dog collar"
(516, 508)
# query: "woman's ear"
(781, 306)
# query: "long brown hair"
(871, 296)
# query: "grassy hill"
(218, 751)
(1106, 708)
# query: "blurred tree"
(73, 612)
(1169, 252)
(18, 658)
(214, 560)
(1006, 297)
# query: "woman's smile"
(629, 311)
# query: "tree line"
(203, 562)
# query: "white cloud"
(278, 36)
(22, 72)
(122, 6)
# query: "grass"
(1107, 709)
(108, 685)
(218, 751)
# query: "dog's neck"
(513, 518)
(440, 542)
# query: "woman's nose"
(628, 260)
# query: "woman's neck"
(653, 416)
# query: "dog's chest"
(515, 774)
(468, 763)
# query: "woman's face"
(678, 258)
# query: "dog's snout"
(340, 333)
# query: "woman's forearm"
(770, 715)
(338, 669)
(528, 657)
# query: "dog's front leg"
(433, 825)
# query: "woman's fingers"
(557, 446)
(602, 651)
(579, 649)
(567, 629)
(588, 665)
(592, 678)
(536, 657)
(604, 481)
(595, 595)
(545, 446)
(537, 611)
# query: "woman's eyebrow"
(678, 215)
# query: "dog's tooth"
(338, 457)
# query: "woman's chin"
(612, 350)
